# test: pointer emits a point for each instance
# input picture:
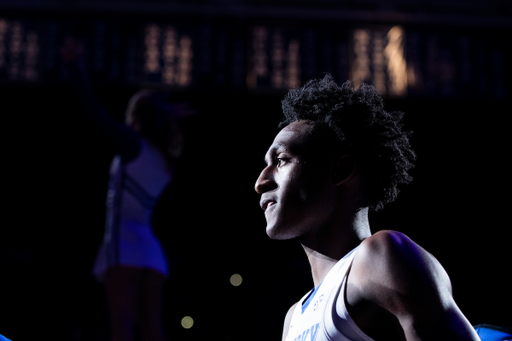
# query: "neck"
(329, 246)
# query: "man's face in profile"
(297, 192)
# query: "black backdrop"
(55, 165)
(55, 175)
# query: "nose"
(265, 182)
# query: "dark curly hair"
(373, 136)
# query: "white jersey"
(321, 315)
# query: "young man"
(339, 155)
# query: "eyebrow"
(272, 150)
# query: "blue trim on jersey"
(489, 332)
(3, 338)
(308, 299)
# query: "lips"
(266, 203)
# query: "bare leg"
(122, 286)
(151, 306)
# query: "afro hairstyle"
(373, 136)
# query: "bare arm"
(394, 274)
(125, 139)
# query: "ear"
(345, 167)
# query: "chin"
(277, 233)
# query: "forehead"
(294, 129)
(293, 137)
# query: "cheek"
(294, 191)
(314, 200)
(299, 200)
(311, 188)
(303, 189)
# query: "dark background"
(55, 167)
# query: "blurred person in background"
(131, 262)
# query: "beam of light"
(259, 56)
(3, 31)
(277, 60)
(378, 63)
(177, 58)
(360, 70)
(15, 50)
(31, 56)
(170, 52)
(185, 61)
(397, 66)
(152, 52)
(293, 66)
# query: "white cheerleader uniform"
(134, 189)
(322, 315)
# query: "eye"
(280, 161)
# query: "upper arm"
(287, 321)
(396, 274)
(125, 139)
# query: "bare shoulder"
(390, 272)
(287, 320)
(391, 260)
(391, 243)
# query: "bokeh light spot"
(235, 280)
(187, 322)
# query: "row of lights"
(187, 322)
